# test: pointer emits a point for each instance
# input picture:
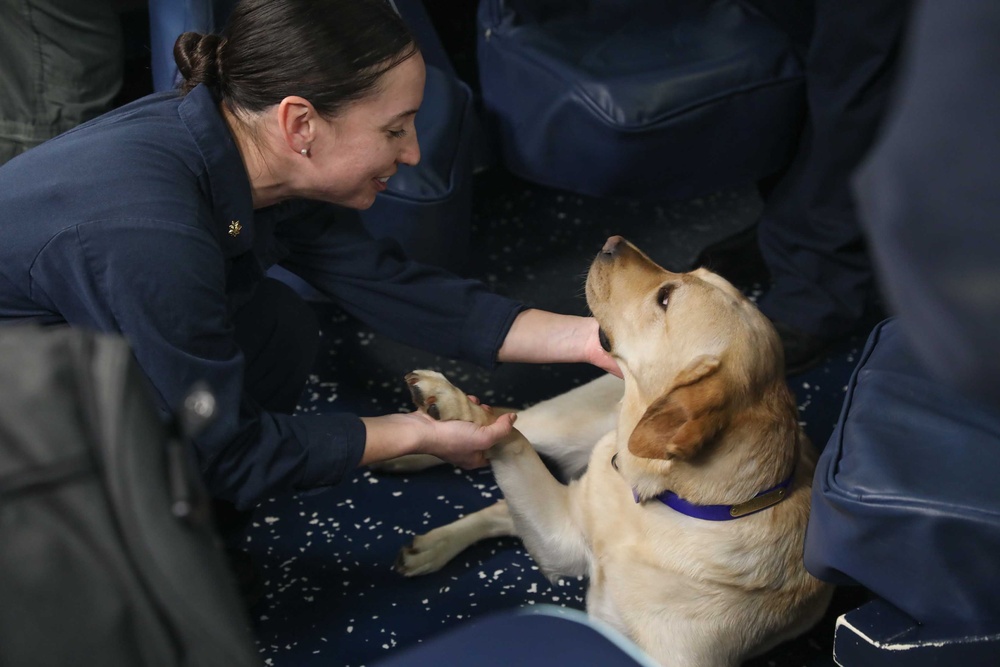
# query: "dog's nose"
(611, 246)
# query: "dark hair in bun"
(197, 58)
(331, 52)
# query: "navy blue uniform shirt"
(123, 224)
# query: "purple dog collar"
(763, 500)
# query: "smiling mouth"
(381, 182)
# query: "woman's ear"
(298, 123)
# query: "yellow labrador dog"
(689, 518)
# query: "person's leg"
(61, 63)
(809, 234)
(929, 195)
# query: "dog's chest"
(620, 532)
(647, 546)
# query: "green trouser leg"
(61, 64)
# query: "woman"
(158, 221)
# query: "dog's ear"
(690, 414)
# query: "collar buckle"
(758, 503)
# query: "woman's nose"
(410, 153)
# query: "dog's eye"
(663, 296)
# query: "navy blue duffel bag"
(906, 503)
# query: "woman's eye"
(397, 134)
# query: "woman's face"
(356, 153)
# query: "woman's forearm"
(539, 337)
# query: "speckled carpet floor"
(331, 595)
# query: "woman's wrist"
(389, 436)
(540, 336)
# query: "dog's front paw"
(433, 394)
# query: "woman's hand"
(460, 443)
(464, 444)
(541, 337)
(595, 353)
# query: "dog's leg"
(564, 429)
(541, 508)
(431, 551)
(539, 503)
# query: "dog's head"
(703, 368)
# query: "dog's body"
(703, 412)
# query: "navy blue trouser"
(809, 232)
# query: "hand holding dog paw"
(460, 443)
(465, 444)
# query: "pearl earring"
(305, 152)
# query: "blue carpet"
(331, 595)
